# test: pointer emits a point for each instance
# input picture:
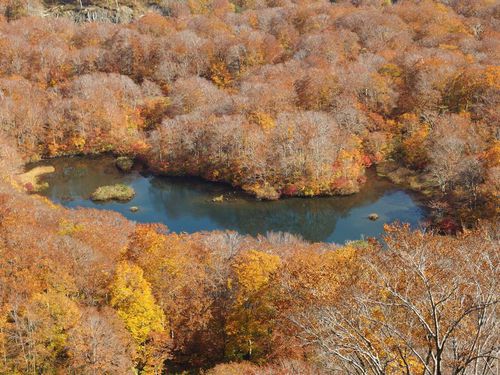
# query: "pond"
(185, 204)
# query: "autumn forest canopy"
(278, 98)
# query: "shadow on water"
(185, 204)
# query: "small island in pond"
(118, 192)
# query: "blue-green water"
(185, 204)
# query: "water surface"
(185, 204)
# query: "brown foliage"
(279, 98)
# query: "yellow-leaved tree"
(251, 318)
(34, 332)
(131, 296)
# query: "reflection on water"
(185, 205)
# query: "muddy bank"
(30, 180)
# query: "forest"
(278, 98)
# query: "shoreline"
(141, 166)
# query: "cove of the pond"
(186, 204)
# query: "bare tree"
(425, 304)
